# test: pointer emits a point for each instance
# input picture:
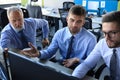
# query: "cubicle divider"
(98, 6)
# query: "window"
(93, 5)
(3, 2)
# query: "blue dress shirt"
(83, 44)
(101, 50)
(10, 37)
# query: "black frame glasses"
(110, 34)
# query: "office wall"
(118, 8)
(108, 5)
(111, 5)
(47, 3)
(24, 2)
(55, 3)
(3, 2)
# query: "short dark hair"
(77, 10)
(112, 17)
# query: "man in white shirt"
(104, 48)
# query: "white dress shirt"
(101, 50)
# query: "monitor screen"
(93, 5)
(24, 68)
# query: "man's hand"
(70, 62)
(45, 42)
(5, 50)
(31, 52)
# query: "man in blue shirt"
(11, 36)
(83, 42)
(104, 48)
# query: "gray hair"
(14, 8)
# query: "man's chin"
(112, 45)
(19, 29)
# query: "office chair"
(88, 26)
(99, 71)
(88, 23)
(63, 14)
(3, 18)
(68, 5)
(25, 13)
(34, 11)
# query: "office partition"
(98, 5)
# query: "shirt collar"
(69, 34)
(118, 49)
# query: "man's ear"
(67, 18)
(83, 22)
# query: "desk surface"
(50, 12)
(97, 20)
(55, 66)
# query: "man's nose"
(106, 36)
(74, 23)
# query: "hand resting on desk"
(70, 62)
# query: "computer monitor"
(24, 68)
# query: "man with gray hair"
(20, 31)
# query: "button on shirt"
(84, 43)
(10, 38)
(101, 50)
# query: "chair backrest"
(4, 19)
(34, 11)
(25, 13)
(88, 23)
(68, 5)
(63, 14)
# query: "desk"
(52, 13)
(54, 67)
(97, 20)
(97, 23)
